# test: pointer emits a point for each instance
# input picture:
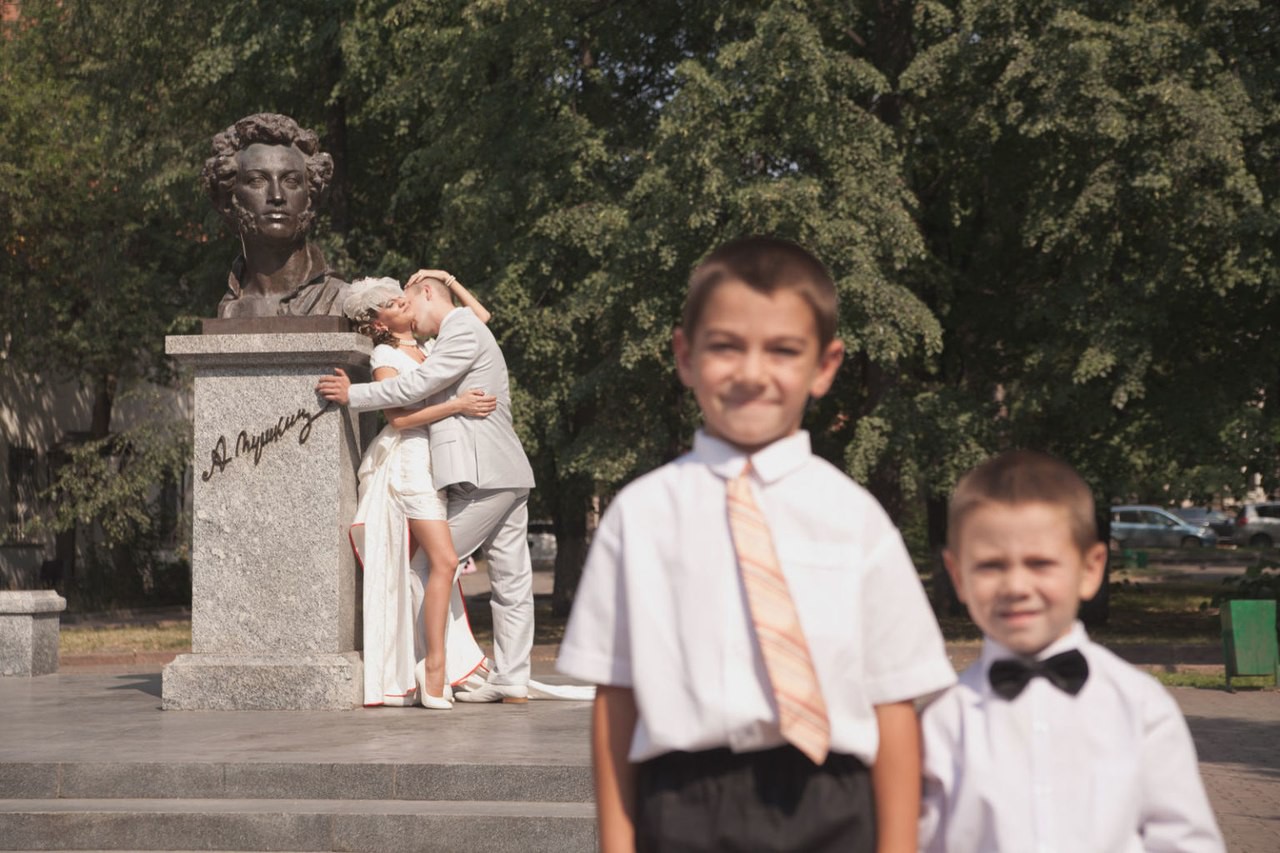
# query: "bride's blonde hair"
(365, 300)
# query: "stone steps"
(89, 761)
(295, 806)
(296, 780)
(291, 824)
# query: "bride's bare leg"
(442, 561)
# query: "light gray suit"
(483, 465)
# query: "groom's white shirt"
(482, 451)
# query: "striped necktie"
(802, 712)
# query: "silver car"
(1153, 527)
(542, 546)
(1258, 525)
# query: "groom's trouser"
(498, 521)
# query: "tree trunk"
(942, 593)
(104, 397)
(1096, 610)
(891, 51)
(573, 518)
(336, 145)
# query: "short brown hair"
(1022, 477)
(765, 264)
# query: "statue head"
(267, 176)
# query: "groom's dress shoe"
(508, 693)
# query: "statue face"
(270, 196)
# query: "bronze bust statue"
(266, 177)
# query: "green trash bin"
(1249, 639)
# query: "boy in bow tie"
(1048, 742)
(755, 625)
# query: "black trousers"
(773, 800)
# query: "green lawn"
(1214, 681)
(163, 637)
(1159, 612)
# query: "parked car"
(1258, 524)
(542, 545)
(1198, 516)
(1154, 527)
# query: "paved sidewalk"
(112, 713)
(110, 702)
(1237, 737)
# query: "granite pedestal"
(29, 624)
(274, 587)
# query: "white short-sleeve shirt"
(1112, 768)
(661, 607)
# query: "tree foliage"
(1052, 224)
(1100, 232)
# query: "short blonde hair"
(1021, 477)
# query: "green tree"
(1052, 223)
(579, 158)
(109, 243)
(1097, 231)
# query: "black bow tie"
(1067, 671)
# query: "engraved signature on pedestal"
(253, 444)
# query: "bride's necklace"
(401, 342)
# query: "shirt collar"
(1073, 639)
(771, 464)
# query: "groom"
(479, 460)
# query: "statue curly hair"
(219, 172)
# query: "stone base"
(274, 325)
(274, 583)
(29, 625)
(301, 682)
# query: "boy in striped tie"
(755, 625)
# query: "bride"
(400, 533)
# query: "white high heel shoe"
(431, 703)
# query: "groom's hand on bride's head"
(334, 387)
